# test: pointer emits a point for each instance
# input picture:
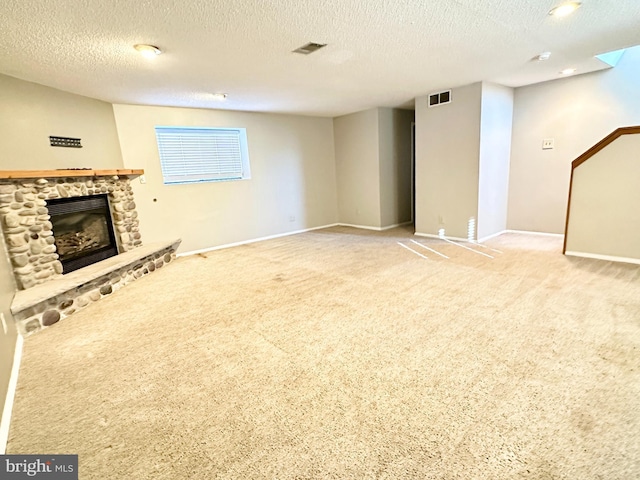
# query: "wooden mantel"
(16, 174)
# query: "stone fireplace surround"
(45, 296)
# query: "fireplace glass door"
(82, 230)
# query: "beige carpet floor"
(340, 354)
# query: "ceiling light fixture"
(568, 71)
(565, 9)
(542, 57)
(147, 51)
(219, 96)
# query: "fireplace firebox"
(83, 230)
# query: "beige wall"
(292, 185)
(356, 139)
(605, 202)
(495, 155)
(9, 335)
(447, 152)
(30, 113)
(394, 134)
(577, 112)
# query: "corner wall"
(8, 334)
(495, 155)
(292, 185)
(394, 134)
(31, 113)
(577, 112)
(373, 167)
(447, 166)
(356, 139)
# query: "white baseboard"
(608, 258)
(375, 229)
(460, 239)
(11, 395)
(395, 225)
(431, 235)
(286, 234)
(526, 232)
(489, 237)
(362, 227)
(253, 240)
(484, 239)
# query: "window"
(198, 154)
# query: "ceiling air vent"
(439, 98)
(309, 48)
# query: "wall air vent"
(309, 48)
(439, 98)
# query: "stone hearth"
(43, 305)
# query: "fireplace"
(25, 218)
(83, 230)
(94, 216)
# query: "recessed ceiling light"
(219, 96)
(565, 9)
(568, 71)
(542, 57)
(147, 51)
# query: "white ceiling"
(379, 53)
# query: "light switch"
(547, 144)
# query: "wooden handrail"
(603, 143)
(586, 156)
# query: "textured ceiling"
(379, 52)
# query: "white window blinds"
(190, 154)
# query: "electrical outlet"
(292, 218)
(142, 179)
(547, 144)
